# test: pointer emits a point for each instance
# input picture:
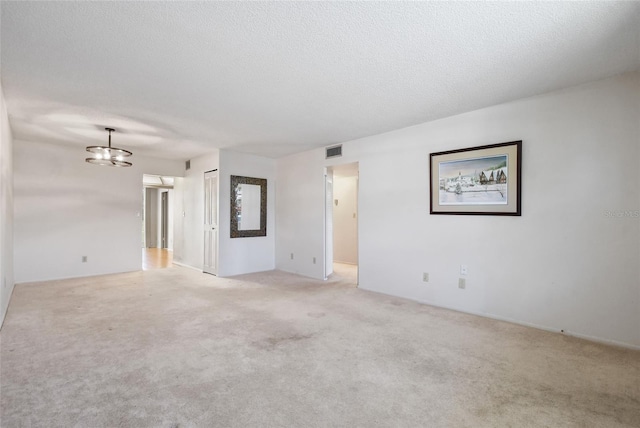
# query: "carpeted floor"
(178, 348)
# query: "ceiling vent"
(334, 152)
(187, 165)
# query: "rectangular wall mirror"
(248, 207)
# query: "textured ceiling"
(177, 79)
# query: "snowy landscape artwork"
(481, 180)
(475, 181)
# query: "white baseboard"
(513, 321)
(187, 266)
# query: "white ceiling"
(149, 180)
(177, 79)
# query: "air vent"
(334, 152)
(187, 165)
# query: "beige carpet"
(177, 348)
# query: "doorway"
(164, 220)
(157, 222)
(341, 228)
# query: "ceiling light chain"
(109, 156)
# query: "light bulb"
(98, 156)
(119, 157)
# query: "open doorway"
(341, 231)
(157, 222)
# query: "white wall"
(170, 217)
(345, 221)
(66, 208)
(569, 262)
(177, 206)
(300, 213)
(245, 255)
(6, 210)
(235, 255)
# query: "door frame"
(328, 218)
(328, 222)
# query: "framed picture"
(248, 207)
(482, 180)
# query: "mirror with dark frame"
(248, 207)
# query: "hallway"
(156, 258)
(345, 272)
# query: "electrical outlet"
(314, 260)
(425, 277)
(462, 283)
(84, 259)
(464, 270)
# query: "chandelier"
(109, 156)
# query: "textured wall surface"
(66, 208)
(570, 262)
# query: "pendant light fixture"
(109, 156)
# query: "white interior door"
(210, 264)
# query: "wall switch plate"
(462, 283)
(84, 259)
(314, 260)
(425, 276)
(291, 256)
(464, 270)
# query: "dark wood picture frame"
(483, 180)
(236, 206)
